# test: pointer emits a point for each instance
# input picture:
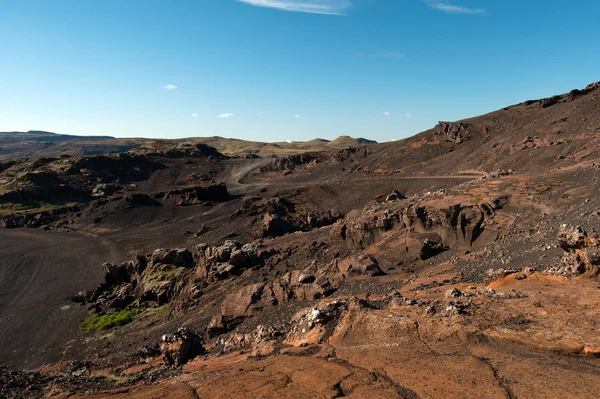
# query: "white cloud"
(387, 113)
(329, 7)
(297, 116)
(289, 141)
(195, 115)
(408, 115)
(170, 87)
(226, 115)
(443, 5)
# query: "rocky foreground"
(346, 324)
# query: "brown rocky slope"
(321, 280)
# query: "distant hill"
(16, 145)
(347, 141)
(35, 135)
(33, 144)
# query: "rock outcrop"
(180, 347)
(457, 226)
(147, 281)
(582, 252)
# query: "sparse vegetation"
(115, 379)
(161, 273)
(107, 321)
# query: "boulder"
(175, 257)
(274, 225)
(216, 327)
(115, 274)
(430, 248)
(362, 265)
(240, 303)
(223, 253)
(180, 347)
(571, 237)
(453, 293)
(394, 196)
(247, 256)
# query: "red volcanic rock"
(362, 265)
(180, 347)
(571, 237)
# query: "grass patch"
(107, 321)
(162, 272)
(105, 375)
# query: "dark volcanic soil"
(462, 262)
(39, 272)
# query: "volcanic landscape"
(462, 262)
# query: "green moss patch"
(107, 321)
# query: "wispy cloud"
(170, 87)
(408, 115)
(387, 113)
(328, 7)
(195, 115)
(226, 115)
(297, 116)
(443, 5)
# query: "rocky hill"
(36, 144)
(536, 135)
(461, 262)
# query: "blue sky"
(275, 70)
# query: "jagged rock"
(199, 194)
(105, 189)
(202, 247)
(223, 253)
(458, 226)
(180, 347)
(494, 274)
(572, 265)
(246, 256)
(430, 249)
(267, 253)
(116, 274)
(287, 163)
(240, 303)
(257, 339)
(199, 150)
(394, 196)
(362, 265)
(306, 279)
(323, 219)
(453, 293)
(308, 326)
(274, 225)
(571, 237)
(216, 327)
(455, 132)
(177, 257)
